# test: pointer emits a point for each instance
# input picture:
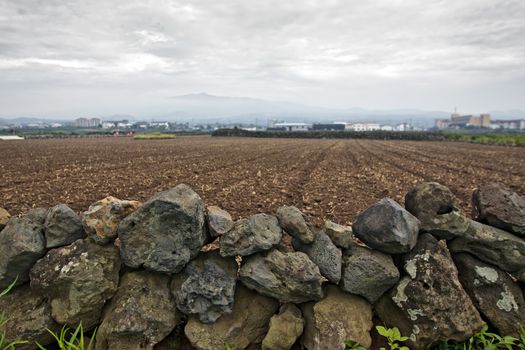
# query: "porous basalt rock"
(141, 314)
(206, 287)
(22, 243)
(296, 224)
(387, 227)
(77, 279)
(62, 226)
(166, 232)
(429, 304)
(289, 277)
(219, 221)
(257, 233)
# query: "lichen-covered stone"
(141, 314)
(492, 245)
(289, 277)
(338, 317)
(62, 226)
(285, 328)
(257, 233)
(496, 296)
(325, 254)
(296, 224)
(166, 232)
(28, 318)
(368, 273)
(206, 287)
(247, 324)
(429, 304)
(219, 221)
(77, 279)
(22, 243)
(342, 236)
(387, 227)
(497, 205)
(103, 217)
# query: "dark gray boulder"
(289, 277)
(166, 232)
(206, 286)
(388, 227)
(492, 245)
(62, 226)
(22, 243)
(497, 205)
(219, 221)
(28, 318)
(437, 209)
(324, 253)
(257, 233)
(296, 224)
(342, 236)
(368, 273)
(429, 304)
(141, 314)
(496, 296)
(77, 280)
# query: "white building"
(387, 128)
(10, 138)
(293, 126)
(515, 124)
(363, 127)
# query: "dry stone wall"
(171, 273)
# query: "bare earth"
(328, 179)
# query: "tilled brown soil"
(327, 179)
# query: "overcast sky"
(71, 57)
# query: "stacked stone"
(140, 274)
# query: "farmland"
(328, 179)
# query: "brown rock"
(102, 219)
(4, 218)
(338, 317)
(285, 328)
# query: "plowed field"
(328, 179)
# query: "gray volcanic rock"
(437, 209)
(368, 273)
(62, 226)
(22, 243)
(492, 245)
(141, 314)
(284, 329)
(77, 279)
(497, 205)
(324, 254)
(289, 277)
(206, 287)
(29, 318)
(295, 223)
(494, 293)
(338, 317)
(247, 324)
(387, 227)
(257, 233)
(429, 304)
(166, 232)
(342, 236)
(103, 217)
(219, 221)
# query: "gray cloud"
(129, 56)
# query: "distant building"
(159, 125)
(10, 138)
(515, 124)
(292, 126)
(363, 127)
(441, 123)
(88, 123)
(329, 127)
(458, 121)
